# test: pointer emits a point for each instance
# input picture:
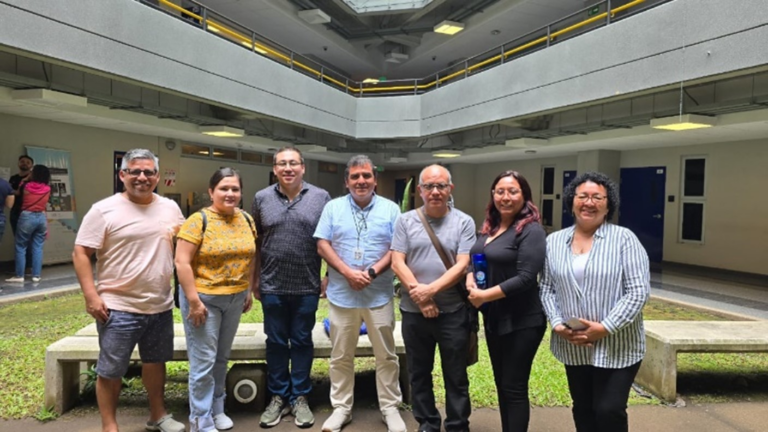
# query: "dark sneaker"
(303, 414)
(276, 409)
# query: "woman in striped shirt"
(596, 282)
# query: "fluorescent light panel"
(49, 98)
(522, 143)
(222, 131)
(446, 154)
(311, 148)
(315, 16)
(370, 81)
(683, 122)
(449, 27)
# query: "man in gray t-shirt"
(433, 310)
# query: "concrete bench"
(664, 339)
(63, 358)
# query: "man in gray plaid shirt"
(286, 279)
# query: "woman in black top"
(514, 243)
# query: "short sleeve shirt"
(360, 237)
(290, 264)
(226, 248)
(134, 248)
(456, 232)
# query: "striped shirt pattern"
(616, 287)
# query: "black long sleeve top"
(514, 263)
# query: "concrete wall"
(92, 151)
(680, 40)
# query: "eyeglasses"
(137, 172)
(429, 186)
(365, 175)
(501, 192)
(597, 199)
(292, 164)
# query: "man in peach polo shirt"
(131, 234)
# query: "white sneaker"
(35, 279)
(222, 422)
(337, 421)
(394, 421)
(15, 279)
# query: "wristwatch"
(372, 273)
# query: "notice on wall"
(169, 177)
(5, 173)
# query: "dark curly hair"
(528, 214)
(611, 191)
(40, 174)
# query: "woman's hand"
(197, 313)
(574, 337)
(594, 331)
(476, 296)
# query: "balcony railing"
(598, 15)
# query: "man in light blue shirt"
(354, 236)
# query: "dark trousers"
(449, 332)
(600, 397)
(511, 357)
(288, 324)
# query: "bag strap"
(448, 263)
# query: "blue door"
(567, 219)
(642, 206)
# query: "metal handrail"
(360, 89)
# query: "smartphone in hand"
(575, 324)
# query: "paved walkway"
(742, 417)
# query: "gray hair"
(360, 160)
(421, 175)
(134, 154)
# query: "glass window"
(250, 157)
(225, 153)
(694, 177)
(547, 212)
(195, 150)
(549, 181)
(693, 221)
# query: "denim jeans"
(208, 348)
(30, 234)
(2, 228)
(289, 319)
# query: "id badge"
(358, 254)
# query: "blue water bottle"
(480, 269)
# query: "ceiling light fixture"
(254, 47)
(371, 81)
(222, 131)
(312, 148)
(49, 98)
(315, 16)
(521, 143)
(446, 153)
(449, 27)
(683, 122)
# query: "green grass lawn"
(27, 328)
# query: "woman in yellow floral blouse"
(214, 255)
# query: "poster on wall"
(61, 209)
